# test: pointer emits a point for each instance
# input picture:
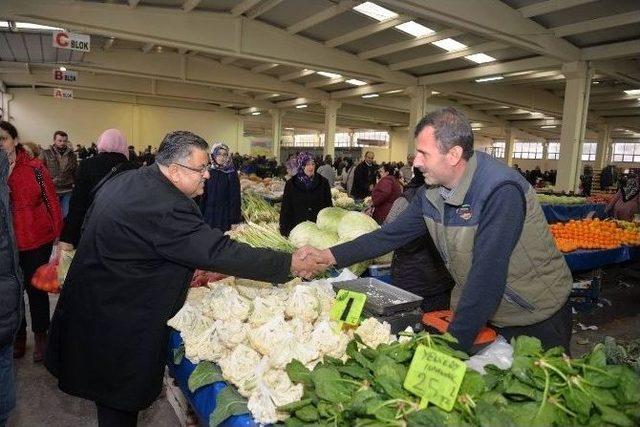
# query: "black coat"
(363, 177)
(11, 304)
(418, 267)
(142, 241)
(220, 203)
(90, 173)
(300, 204)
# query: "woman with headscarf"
(305, 194)
(626, 202)
(417, 266)
(112, 158)
(37, 221)
(220, 203)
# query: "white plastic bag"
(499, 353)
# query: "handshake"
(308, 261)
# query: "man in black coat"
(364, 177)
(10, 294)
(143, 238)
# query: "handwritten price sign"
(348, 307)
(434, 376)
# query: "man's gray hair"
(451, 128)
(177, 146)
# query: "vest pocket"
(512, 297)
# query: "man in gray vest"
(486, 222)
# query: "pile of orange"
(592, 234)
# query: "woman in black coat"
(305, 194)
(417, 266)
(112, 158)
(220, 203)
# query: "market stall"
(563, 213)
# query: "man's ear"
(454, 155)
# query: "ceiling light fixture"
(256, 113)
(393, 91)
(489, 79)
(301, 106)
(330, 75)
(374, 11)
(63, 68)
(371, 95)
(415, 29)
(632, 92)
(356, 82)
(480, 58)
(450, 45)
(548, 127)
(30, 26)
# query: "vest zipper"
(511, 296)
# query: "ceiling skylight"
(480, 58)
(356, 82)
(450, 45)
(330, 75)
(415, 29)
(374, 11)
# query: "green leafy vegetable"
(228, 403)
(204, 374)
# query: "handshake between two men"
(308, 261)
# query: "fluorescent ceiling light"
(480, 58)
(63, 68)
(371, 95)
(374, 11)
(4, 24)
(301, 106)
(330, 75)
(394, 91)
(435, 92)
(548, 127)
(288, 128)
(415, 29)
(632, 92)
(489, 79)
(256, 113)
(356, 82)
(595, 82)
(450, 45)
(30, 26)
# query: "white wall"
(37, 117)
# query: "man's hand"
(308, 261)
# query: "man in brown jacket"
(62, 163)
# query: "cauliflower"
(303, 303)
(335, 193)
(225, 303)
(265, 309)
(344, 202)
(196, 295)
(406, 338)
(325, 338)
(231, 332)
(239, 363)
(301, 329)
(326, 296)
(266, 338)
(185, 318)
(373, 333)
(275, 390)
(292, 349)
(252, 288)
(205, 346)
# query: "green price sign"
(435, 377)
(348, 307)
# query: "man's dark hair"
(9, 128)
(178, 145)
(61, 133)
(451, 128)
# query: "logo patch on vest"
(464, 212)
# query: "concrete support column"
(509, 143)
(419, 96)
(244, 147)
(276, 131)
(6, 106)
(330, 116)
(604, 145)
(574, 119)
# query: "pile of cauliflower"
(252, 330)
(342, 199)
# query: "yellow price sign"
(435, 377)
(348, 307)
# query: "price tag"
(435, 377)
(348, 307)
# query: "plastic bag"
(46, 276)
(63, 265)
(499, 353)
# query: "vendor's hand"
(64, 246)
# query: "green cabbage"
(323, 239)
(355, 224)
(301, 233)
(329, 218)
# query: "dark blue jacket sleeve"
(408, 226)
(500, 227)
